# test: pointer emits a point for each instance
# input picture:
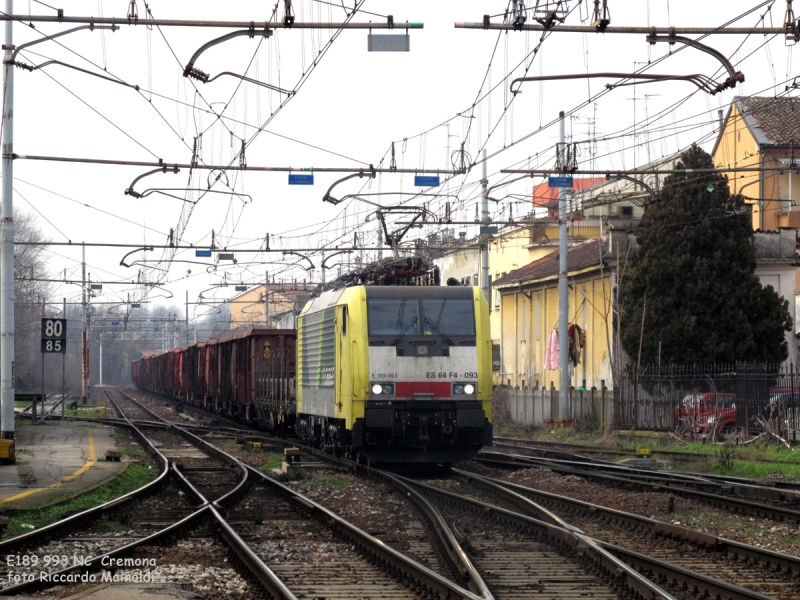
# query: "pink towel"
(551, 355)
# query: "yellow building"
(762, 132)
(529, 312)
(515, 247)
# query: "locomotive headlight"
(458, 389)
(469, 389)
(377, 389)
(387, 389)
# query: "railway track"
(733, 496)
(325, 552)
(577, 561)
(581, 449)
(759, 570)
(621, 580)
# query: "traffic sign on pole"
(54, 335)
(426, 180)
(301, 179)
(560, 182)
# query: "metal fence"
(536, 405)
(661, 398)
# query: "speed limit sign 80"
(54, 335)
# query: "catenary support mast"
(563, 290)
(7, 242)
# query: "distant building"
(286, 301)
(529, 313)
(763, 132)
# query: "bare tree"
(29, 267)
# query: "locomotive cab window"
(392, 316)
(449, 316)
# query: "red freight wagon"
(248, 375)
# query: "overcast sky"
(349, 109)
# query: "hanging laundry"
(576, 338)
(551, 354)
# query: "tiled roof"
(544, 195)
(778, 118)
(580, 256)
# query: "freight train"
(384, 373)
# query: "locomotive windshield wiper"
(438, 330)
(396, 340)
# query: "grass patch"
(323, 480)
(116, 433)
(87, 413)
(274, 460)
(134, 477)
(230, 442)
(758, 470)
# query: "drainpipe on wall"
(761, 192)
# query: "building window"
(626, 211)
(475, 279)
(497, 298)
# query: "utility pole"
(84, 333)
(266, 301)
(186, 320)
(101, 358)
(63, 365)
(7, 242)
(34, 404)
(485, 219)
(563, 290)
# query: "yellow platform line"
(64, 479)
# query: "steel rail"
(734, 504)
(102, 560)
(426, 577)
(642, 563)
(738, 550)
(422, 574)
(555, 533)
(460, 561)
(548, 445)
(608, 561)
(458, 557)
(206, 447)
(271, 582)
(266, 576)
(709, 482)
(57, 527)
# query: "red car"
(701, 411)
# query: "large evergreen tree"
(693, 275)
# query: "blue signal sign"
(426, 180)
(560, 182)
(202, 253)
(301, 179)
